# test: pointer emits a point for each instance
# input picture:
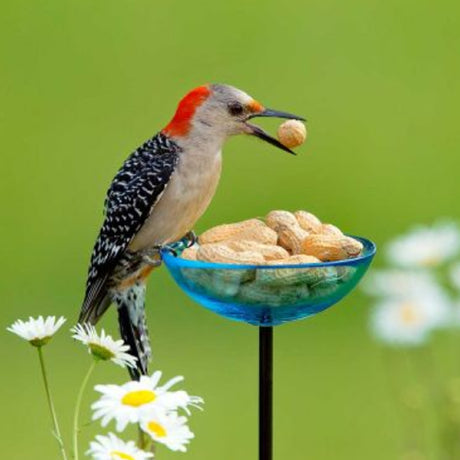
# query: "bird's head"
(219, 111)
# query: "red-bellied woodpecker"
(156, 197)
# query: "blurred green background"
(85, 82)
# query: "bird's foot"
(186, 241)
(152, 256)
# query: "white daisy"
(37, 332)
(112, 448)
(169, 429)
(128, 403)
(426, 246)
(102, 346)
(408, 321)
(402, 283)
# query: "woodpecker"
(156, 197)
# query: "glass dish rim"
(171, 260)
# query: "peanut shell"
(227, 283)
(280, 219)
(329, 229)
(264, 235)
(189, 253)
(328, 247)
(219, 253)
(291, 238)
(308, 221)
(227, 231)
(292, 133)
(265, 295)
(290, 276)
(268, 251)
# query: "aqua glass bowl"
(267, 295)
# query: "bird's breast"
(185, 199)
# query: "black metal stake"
(265, 393)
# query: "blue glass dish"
(267, 295)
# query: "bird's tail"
(96, 302)
(133, 326)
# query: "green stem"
(145, 442)
(57, 432)
(142, 441)
(76, 428)
(427, 369)
(397, 382)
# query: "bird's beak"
(254, 130)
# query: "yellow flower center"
(156, 428)
(138, 398)
(117, 455)
(431, 261)
(409, 314)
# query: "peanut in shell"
(228, 231)
(279, 219)
(290, 276)
(291, 238)
(308, 221)
(264, 235)
(272, 296)
(329, 229)
(328, 247)
(189, 253)
(292, 133)
(268, 251)
(220, 253)
(227, 283)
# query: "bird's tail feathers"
(97, 300)
(133, 327)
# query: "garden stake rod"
(265, 393)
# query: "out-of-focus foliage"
(84, 82)
(417, 302)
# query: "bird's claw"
(186, 241)
(190, 239)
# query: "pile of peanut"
(282, 238)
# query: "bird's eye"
(235, 108)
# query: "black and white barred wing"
(133, 193)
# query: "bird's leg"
(151, 256)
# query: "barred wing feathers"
(135, 190)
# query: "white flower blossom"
(128, 403)
(103, 346)
(37, 331)
(397, 283)
(169, 429)
(112, 448)
(425, 246)
(408, 321)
